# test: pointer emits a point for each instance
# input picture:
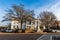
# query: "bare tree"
(19, 13)
(47, 18)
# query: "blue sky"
(36, 5)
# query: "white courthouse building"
(33, 25)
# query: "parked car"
(3, 30)
(15, 30)
(47, 30)
(55, 30)
(6, 30)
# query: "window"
(17, 27)
(14, 26)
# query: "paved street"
(22, 36)
(17, 36)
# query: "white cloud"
(55, 8)
(1, 14)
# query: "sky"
(36, 5)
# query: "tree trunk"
(21, 25)
(25, 23)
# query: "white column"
(35, 24)
(19, 25)
(11, 24)
(44, 27)
(23, 26)
(26, 24)
(38, 26)
(16, 26)
(38, 29)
